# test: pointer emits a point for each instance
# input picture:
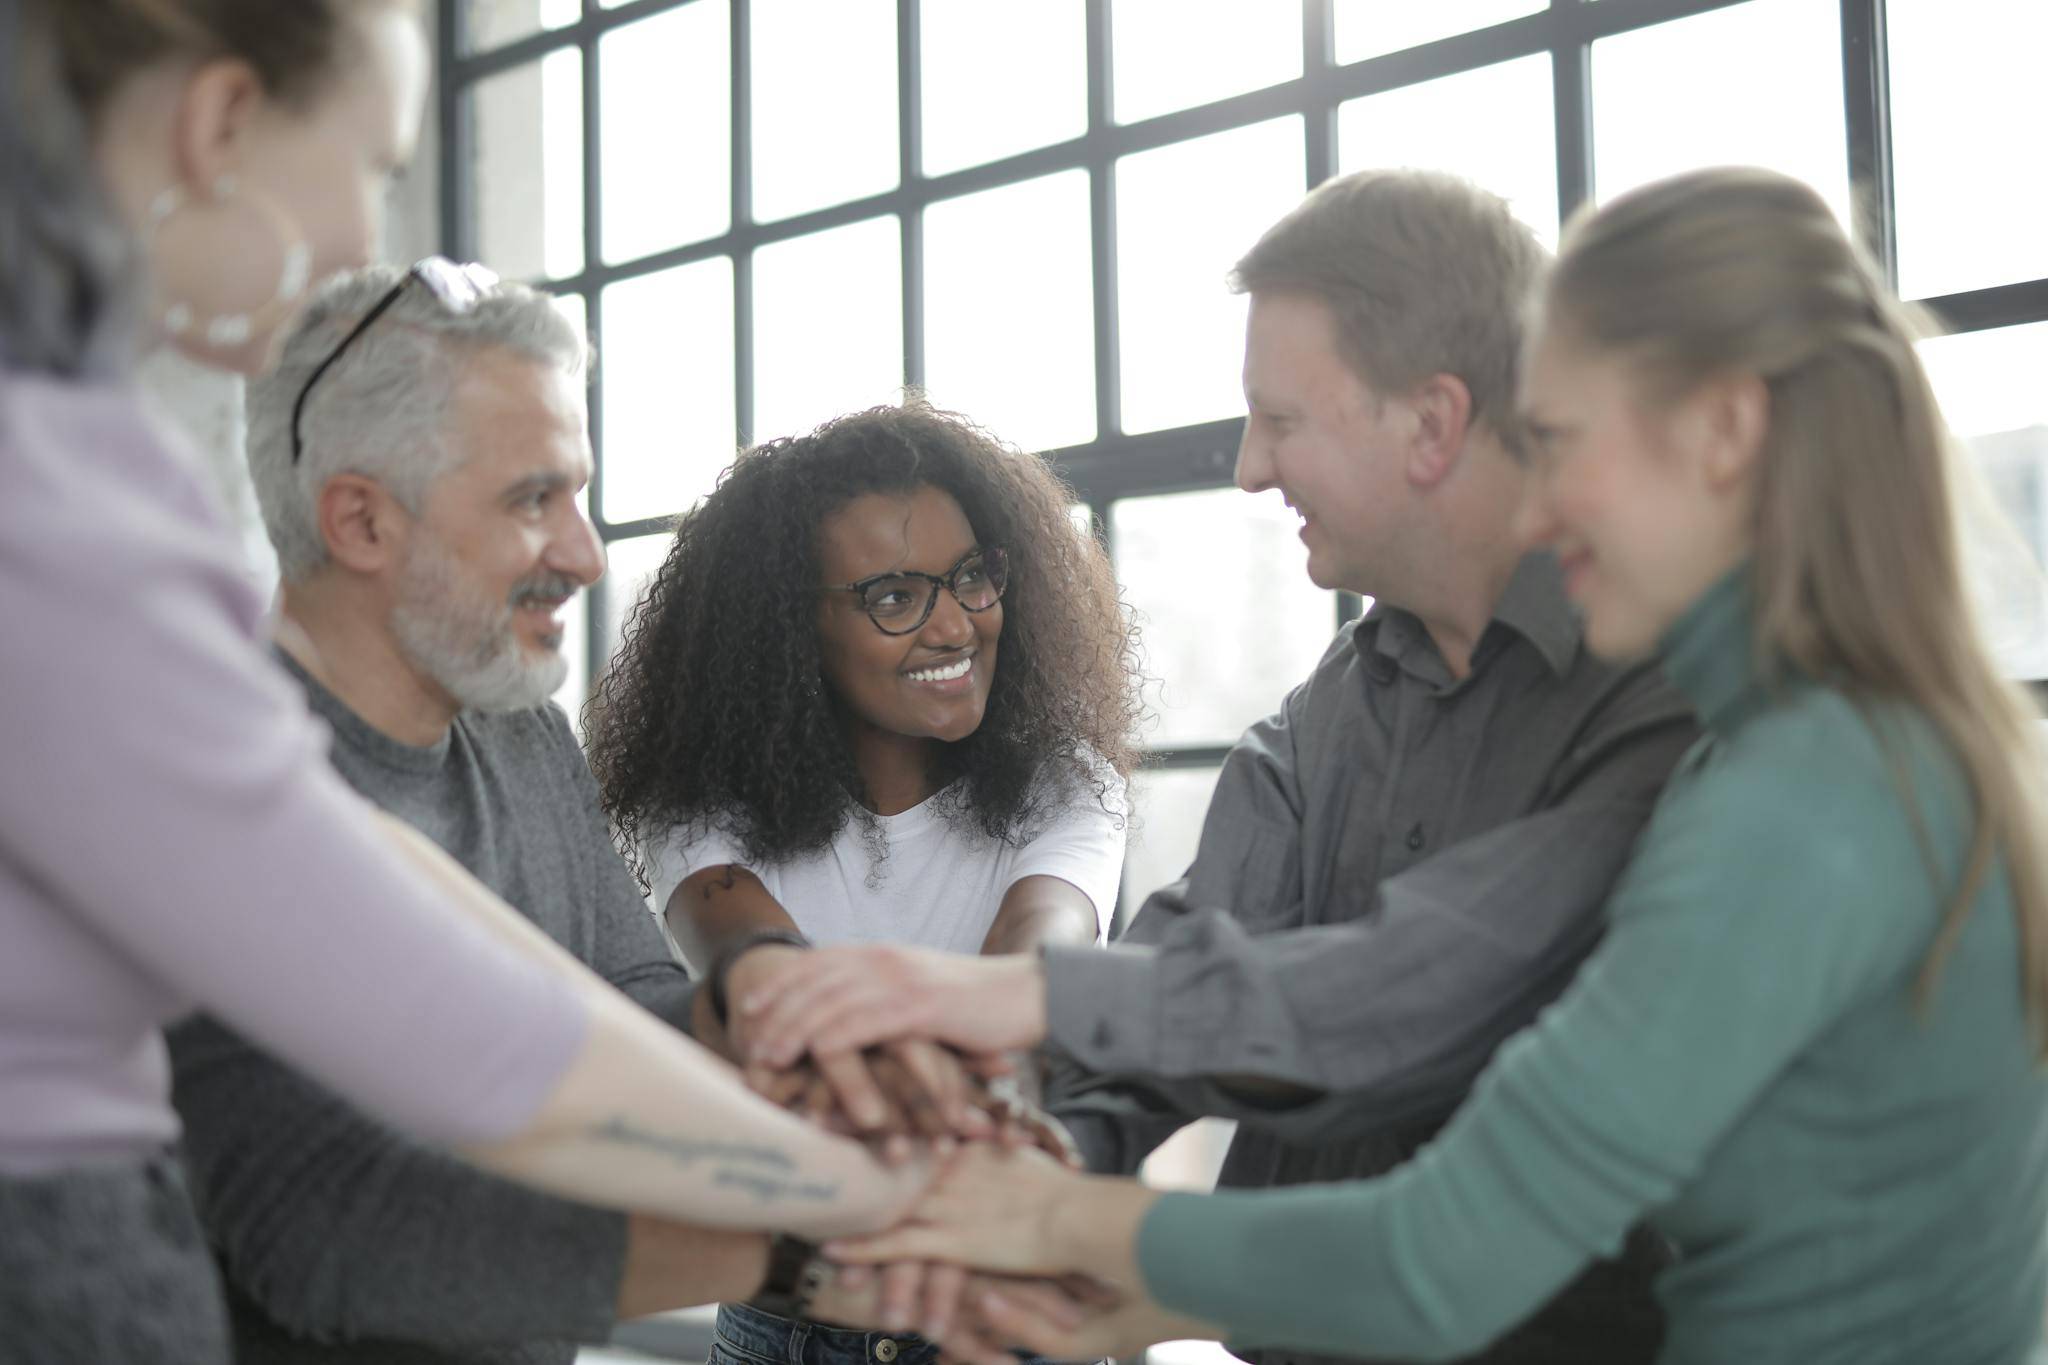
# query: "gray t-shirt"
(340, 1238)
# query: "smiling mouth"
(944, 673)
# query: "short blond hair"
(1424, 272)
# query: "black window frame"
(1115, 465)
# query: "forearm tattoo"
(766, 1173)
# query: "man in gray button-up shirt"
(1406, 862)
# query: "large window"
(770, 211)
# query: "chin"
(1619, 642)
(953, 729)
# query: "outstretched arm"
(1391, 1014)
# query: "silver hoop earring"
(223, 330)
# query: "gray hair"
(382, 409)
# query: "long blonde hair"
(1746, 271)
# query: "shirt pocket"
(1253, 870)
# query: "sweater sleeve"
(629, 948)
(339, 1229)
(167, 788)
(1771, 894)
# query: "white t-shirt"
(938, 887)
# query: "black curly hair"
(712, 715)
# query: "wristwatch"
(796, 1272)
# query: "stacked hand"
(1024, 1221)
(893, 1089)
(904, 1045)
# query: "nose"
(578, 551)
(1254, 462)
(949, 626)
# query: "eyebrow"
(536, 483)
(965, 555)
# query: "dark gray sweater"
(342, 1240)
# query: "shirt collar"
(1710, 652)
(1533, 606)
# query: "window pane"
(575, 619)
(1169, 804)
(493, 23)
(824, 103)
(1967, 122)
(1493, 125)
(667, 374)
(1185, 214)
(630, 565)
(1009, 310)
(1174, 54)
(1757, 84)
(828, 326)
(1989, 384)
(1000, 79)
(573, 308)
(1230, 620)
(1369, 28)
(528, 173)
(667, 130)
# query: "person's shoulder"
(1813, 737)
(1865, 788)
(535, 739)
(90, 460)
(541, 729)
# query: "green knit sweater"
(1741, 1062)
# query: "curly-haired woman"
(881, 690)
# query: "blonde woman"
(1808, 1049)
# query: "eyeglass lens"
(903, 601)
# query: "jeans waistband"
(773, 1340)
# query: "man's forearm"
(1460, 951)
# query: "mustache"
(544, 587)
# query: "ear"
(1443, 413)
(220, 100)
(1732, 417)
(363, 526)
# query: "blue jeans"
(748, 1336)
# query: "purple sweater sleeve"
(165, 788)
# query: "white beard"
(451, 632)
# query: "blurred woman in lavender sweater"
(179, 171)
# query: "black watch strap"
(796, 1272)
(721, 966)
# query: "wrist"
(718, 981)
(796, 1273)
(1092, 1225)
(1026, 985)
(757, 965)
